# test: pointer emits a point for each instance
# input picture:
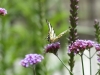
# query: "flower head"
(24, 63)
(98, 56)
(52, 48)
(80, 46)
(3, 11)
(98, 59)
(98, 53)
(89, 43)
(31, 59)
(97, 47)
(96, 21)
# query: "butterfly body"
(52, 36)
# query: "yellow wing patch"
(52, 36)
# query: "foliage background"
(23, 30)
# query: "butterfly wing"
(51, 33)
(60, 35)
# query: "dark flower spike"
(52, 48)
(97, 46)
(97, 30)
(73, 31)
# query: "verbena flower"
(89, 43)
(3, 11)
(31, 59)
(52, 48)
(97, 47)
(98, 59)
(98, 56)
(80, 46)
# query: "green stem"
(82, 63)
(93, 55)
(99, 69)
(2, 48)
(90, 62)
(97, 72)
(34, 70)
(71, 61)
(64, 65)
(87, 56)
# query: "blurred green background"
(24, 30)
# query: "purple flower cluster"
(80, 46)
(52, 48)
(97, 47)
(98, 59)
(98, 54)
(3, 11)
(31, 59)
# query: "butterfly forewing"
(51, 33)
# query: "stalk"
(90, 62)
(2, 50)
(64, 65)
(82, 64)
(34, 73)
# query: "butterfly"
(51, 34)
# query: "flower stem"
(99, 69)
(90, 62)
(82, 63)
(64, 65)
(86, 56)
(97, 72)
(34, 73)
(2, 48)
(93, 55)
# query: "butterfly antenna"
(47, 21)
